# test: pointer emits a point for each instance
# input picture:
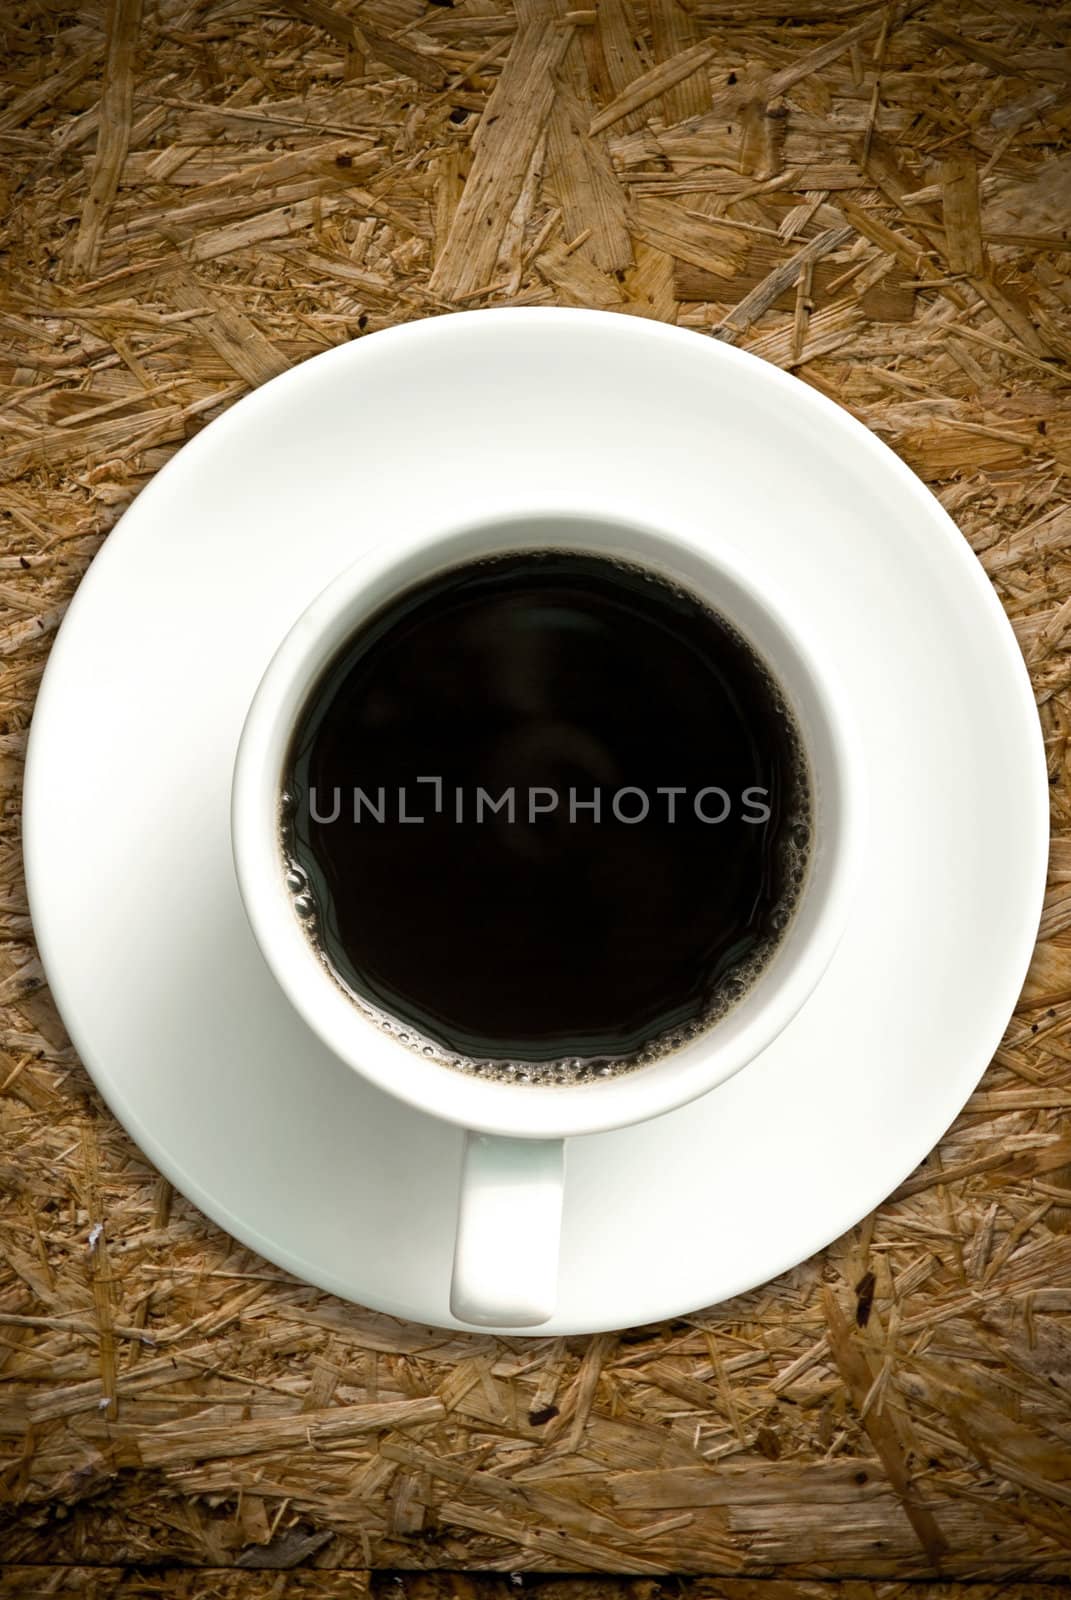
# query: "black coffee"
(546, 815)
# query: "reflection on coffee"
(546, 816)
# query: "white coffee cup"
(509, 1215)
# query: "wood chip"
(308, 1429)
(854, 1370)
(511, 126)
(962, 217)
(673, 31)
(780, 278)
(580, 174)
(657, 80)
(704, 242)
(116, 106)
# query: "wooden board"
(198, 194)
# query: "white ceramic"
(136, 908)
(512, 1189)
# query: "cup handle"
(508, 1230)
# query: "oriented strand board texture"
(200, 193)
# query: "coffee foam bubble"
(795, 854)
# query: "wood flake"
(512, 124)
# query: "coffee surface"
(545, 815)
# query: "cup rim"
(483, 1104)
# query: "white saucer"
(133, 893)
